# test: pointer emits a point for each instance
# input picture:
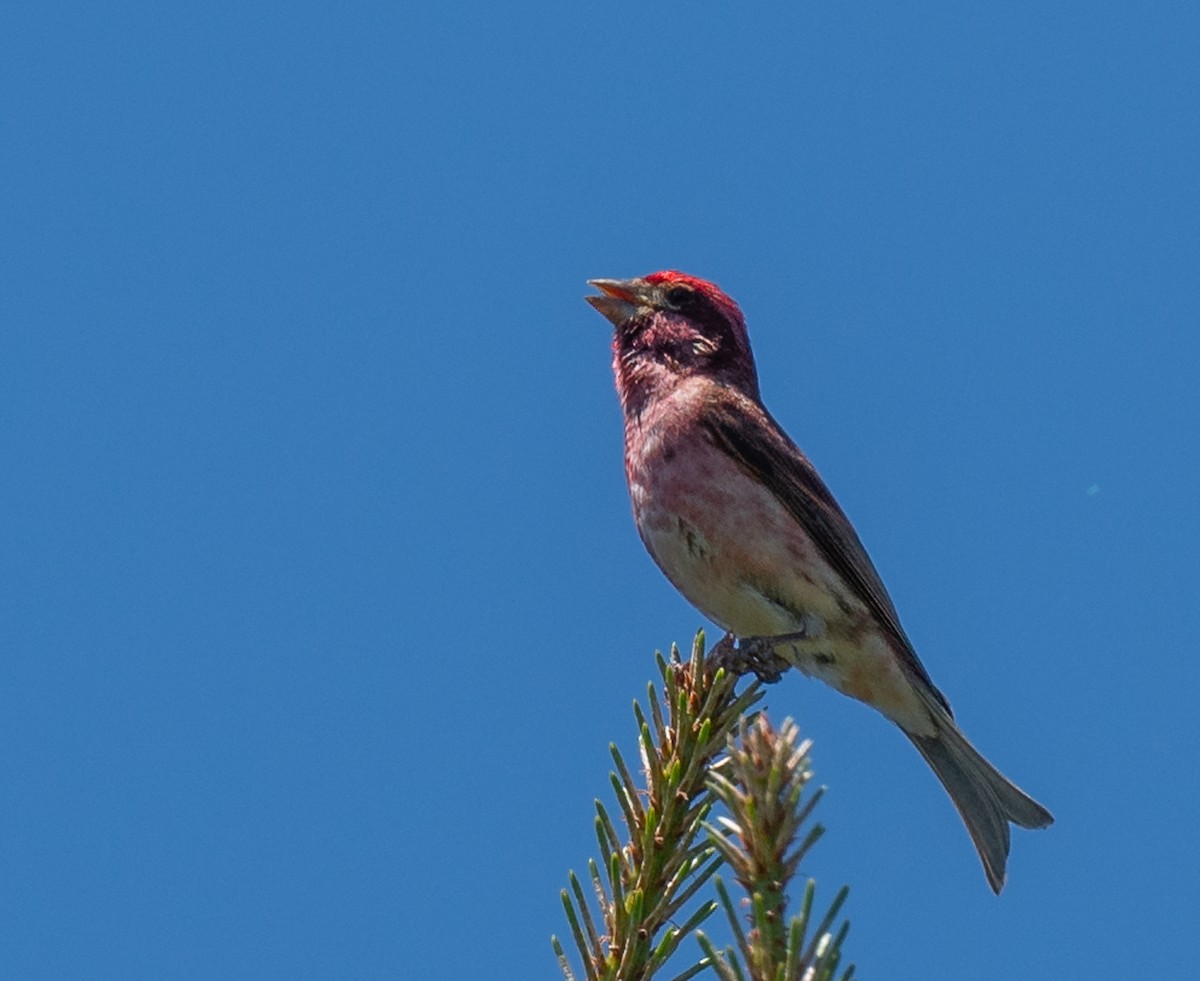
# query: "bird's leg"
(762, 658)
(744, 655)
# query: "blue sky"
(321, 596)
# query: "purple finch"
(740, 522)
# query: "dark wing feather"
(764, 450)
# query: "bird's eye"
(678, 295)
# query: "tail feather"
(984, 797)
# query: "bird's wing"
(745, 430)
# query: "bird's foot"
(743, 655)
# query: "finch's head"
(671, 326)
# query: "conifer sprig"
(637, 915)
(763, 841)
(644, 879)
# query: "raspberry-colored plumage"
(741, 523)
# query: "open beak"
(620, 299)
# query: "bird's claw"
(750, 654)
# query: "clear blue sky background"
(321, 600)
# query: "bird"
(738, 519)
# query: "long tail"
(985, 798)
